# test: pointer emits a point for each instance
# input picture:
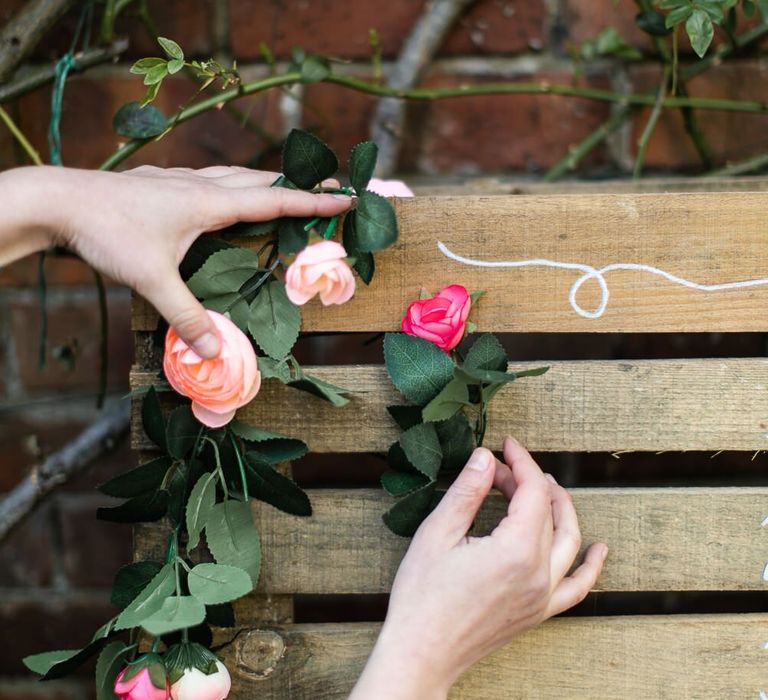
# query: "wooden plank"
(654, 405)
(677, 539)
(612, 658)
(707, 238)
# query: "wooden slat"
(652, 405)
(677, 539)
(671, 657)
(707, 238)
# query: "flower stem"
(18, 134)
(241, 465)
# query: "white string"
(598, 274)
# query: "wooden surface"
(678, 539)
(652, 405)
(614, 658)
(707, 238)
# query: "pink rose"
(320, 269)
(440, 319)
(389, 188)
(217, 387)
(196, 685)
(139, 686)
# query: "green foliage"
(136, 122)
(418, 369)
(320, 388)
(292, 236)
(362, 162)
(652, 22)
(42, 663)
(407, 514)
(422, 449)
(453, 397)
(176, 612)
(274, 322)
(457, 441)
(201, 500)
(224, 272)
(608, 43)
(700, 31)
(405, 416)
(110, 662)
(232, 537)
(276, 489)
(146, 477)
(398, 483)
(145, 508)
(364, 262)
(131, 580)
(486, 353)
(307, 161)
(218, 583)
(198, 253)
(152, 418)
(182, 432)
(375, 223)
(149, 600)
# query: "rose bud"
(196, 673)
(389, 188)
(320, 269)
(217, 387)
(441, 319)
(144, 679)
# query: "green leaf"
(110, 662)
(182, 432)
(232, 537)
(150, 94)
(678, 16)
(201, 500)
(272, 369)
(449, 401)
(362, 163)
(149, 601)
(177, 488)
(489, 376)
(700, 31)
(476, 296)
(364, 262)
(59, 666)
(145, 508)
(762, 6)
(132, 579)
(322, 389)
(536, 372)
(457, 441)
(144, 65)
(198, 253)
(307, 160)
(175, 66)
(279, 450)
(418, 369)
(42, 663)
(422, 448)
(218, 583)
(486, 353)
(652, 22)
(291, 236)
(397, 483)
(375, 222)
(250, 433)
(314, 69)
(405, 416)
(251, 229)
(397, 460)
(232, 304)
(177, 612)
(155, 76)
(136, 122)
(222, 615)
(152, 418)
(408, 513)
(144, 478)
(274, 321)
(171, 48)
(224, 272)
(276, 489)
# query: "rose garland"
(212, 465)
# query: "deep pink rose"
(440, 319)
(320, 269)
(139, 687)
(389, 188)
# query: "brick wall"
(55, 571)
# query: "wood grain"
(704, 237)
(652, 405)
(611, 658)
(660, 539)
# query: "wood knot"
(258, 653)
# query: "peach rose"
(320, 269)
(441, 319)
(389, 188)
(217, 387)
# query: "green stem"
(18, 134)
(742, 167)
(241, 466)
(103, 337)
(256, 285)
(219, 470)
(692, 128)
(108, 22)
(653, 119)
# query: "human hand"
(456, 599)
(136, 226)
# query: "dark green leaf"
(457, 441)
(418, 369)
(488, 376)
(234, 305)
(405, 416)
(110, 662)
(252, 229)
(131, 580)
(198, 253)
(274, 321)
(422, 448)
(250, 433)
(700, 31)
(218, 583)
(398, 483)
(222, 615)
(272, 487)
(177, 492)
(678, 15)
(144, 478)
(314, 69)
(66, 666)
(364, 263)
(152, 418)
(201, 500)
(171, 48)
(375, 222)
(362, 162)
(149, 601)
(321, 389)
(408, 513)
(762, 5)
(486, 353)
(397, 460)
(232, 537)
(224, 272)
(278, 450)
(535, 372)
(182, 432)
(652, 22)
(176, 612)
(307, 160)
(136, 122)
(145, 508)
(291, 236)
(448, 402)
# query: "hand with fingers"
(456, 599)
(136, 226)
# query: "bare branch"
(24, 31)
(99, 437)
(419, 48)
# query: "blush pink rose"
(441, 319)
(217, 387)
(320, 269)
(389, 188)
(139, 687)
(196, 685)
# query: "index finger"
(531, 501)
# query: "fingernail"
(604, 552)
(207, 345)
(551, 478)
(512, 440)
(479, 461)
(345, 197)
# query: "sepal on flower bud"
(143, 679)
(196, 673)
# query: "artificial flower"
(320, 269)
(441, 319)
(144, 679)
(389, 188)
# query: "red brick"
(499, 26)
(731, 135)
(59, 270)
(26, 555)
(33, 689)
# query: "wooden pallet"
(661, 539)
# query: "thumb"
(453, 516)
(186, 316)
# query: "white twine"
(598, 274)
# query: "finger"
(185, 314)
(217, 171)
(566, 538)
(452, 518)
(504, 480)
(574, 588)
(531, 502)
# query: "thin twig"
(650, 125)
(742, 167)
(18, 134)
